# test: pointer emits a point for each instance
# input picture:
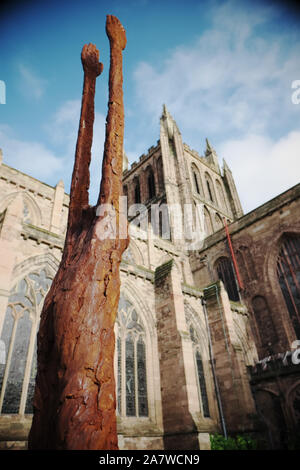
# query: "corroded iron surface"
(74, 401)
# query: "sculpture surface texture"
(74, 401)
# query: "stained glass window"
(31, 384)
(142, 379)
(132, 372)
(195, 339)
(20, 324)
(130, 377)
(202, 385)
(119, 352)
(288, 272)
(5, 337)
(17, 365)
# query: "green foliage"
(240, 442)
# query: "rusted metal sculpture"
(74, 401)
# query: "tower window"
(196, 183)
(137, 191)
(196, 177)
(160, 174)
(209, 191)
(226, 275)
(151, 184)
(210, 187)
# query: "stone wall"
(256, 241)
(275, 381)
(164, 284)
(31, 239)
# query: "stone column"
(150, 246)
(236, 396)
(232, 193)
(57, 207)
(177, 184)
(9, 236)
(178, 381)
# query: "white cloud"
(234, 78)
(38, 160)
(29, 157)
(62, 126)
(63, 129)
(263, 167)
(233, 85)
(31, 84)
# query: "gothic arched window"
(17, 374)
(196, 176)
(137, 190)
(160, 174)
(150, 183)
(202, 390)
(225, 273)
(202, 385)
(132, 398)
(210, 187)
(288, 272)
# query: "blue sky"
(224, 69)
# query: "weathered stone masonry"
(162, 354)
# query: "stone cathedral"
(206, 337)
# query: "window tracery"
(288, 273)
(226, 274)
(132, 398)
(18, 336)
(201, 381)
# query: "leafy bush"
(240, 442)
